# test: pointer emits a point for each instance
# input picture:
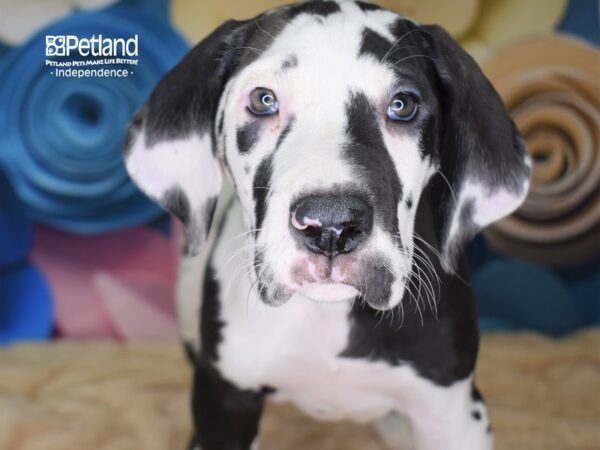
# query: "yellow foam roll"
(196, 19)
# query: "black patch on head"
(261, 187)
(365, 6)
(221, 123)
(289, 63)
(247, 135)
(374, 44)
(409, 202)
(429, 141)
(478, 140)
(175, 201)
(186, 99)
(262, 178)
(315, 7)
(210, 322)
(476, 415)
(367, 152)
(285, 132)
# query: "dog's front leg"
(454, 418)
(225, 417)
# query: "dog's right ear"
(170, 143)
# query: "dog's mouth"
(328, 291)
(343, 278)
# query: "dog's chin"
(328, 292)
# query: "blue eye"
(263, 102)
(403, 107)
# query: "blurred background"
(85, 256)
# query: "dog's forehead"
(332, 53)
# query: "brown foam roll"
(550, 85)
(457, 17)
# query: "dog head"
(332, 120)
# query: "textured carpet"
(543, 394)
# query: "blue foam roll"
(16, 232)
(525, 296)
(26, 311)
(582, 19)
(61, 138)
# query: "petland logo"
(68, 55)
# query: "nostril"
(312, 230)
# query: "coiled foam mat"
(550, 86)
(61, 138)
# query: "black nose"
(331, 224)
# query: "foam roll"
(61, 138)
(550, 85)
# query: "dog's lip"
(327, 291)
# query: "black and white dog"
(364, 151)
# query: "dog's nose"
(331, 224)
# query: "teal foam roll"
(516, 295)
(61, 138)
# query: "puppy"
(364, 151)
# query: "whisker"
(241, 235)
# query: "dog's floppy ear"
(170, 144)
(483, 159)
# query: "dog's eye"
(263, 102)
(403, 107)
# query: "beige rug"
(543, 394)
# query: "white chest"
(294, 348)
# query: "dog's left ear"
(170, 144)
(482, 156)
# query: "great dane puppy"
(364, 150)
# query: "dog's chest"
(295, 349)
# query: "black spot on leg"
(247, 135)
(176, 202)
(409, 202)
(210, 323)
(476, 415)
